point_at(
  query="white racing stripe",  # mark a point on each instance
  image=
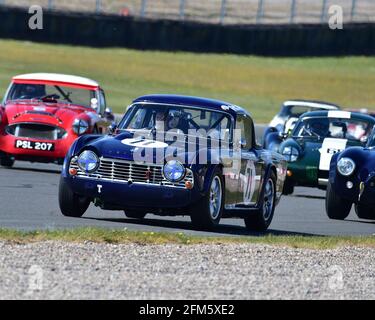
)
(329, 147)
(339, 114)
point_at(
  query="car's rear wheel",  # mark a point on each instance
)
(135, 214)
(260, 220)
(6, 161)
(206, 213)
(337, 208)
(365, 212)
(71, 204)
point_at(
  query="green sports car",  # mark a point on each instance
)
(316, 137)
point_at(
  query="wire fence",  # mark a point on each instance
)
(217, 11)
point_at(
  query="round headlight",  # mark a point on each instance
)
(88, 161)
(174, 171)
(290, 153)
(80, 126)
(346, 166)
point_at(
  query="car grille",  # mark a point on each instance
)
(130, 172)
(36, 131)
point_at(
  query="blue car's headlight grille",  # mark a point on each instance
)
(130, 172)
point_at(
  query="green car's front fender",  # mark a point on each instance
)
(304, 171)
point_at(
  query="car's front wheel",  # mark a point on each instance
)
(337, 208)
(260, 220)
(288, 188)
(6, 162)
(206, 213)
(71, 204)
(365, 212)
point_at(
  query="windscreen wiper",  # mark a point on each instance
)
(65, 95)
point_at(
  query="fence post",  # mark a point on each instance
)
(260, 11)
(143, 8)
(353, 11)
(182, 9)
(324, 9)
(292, 11)
(98, 7)
(223, 10)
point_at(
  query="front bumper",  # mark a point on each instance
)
(135, 195)
(306, 176)
(361, 192)
(367, 191)
(8, 147)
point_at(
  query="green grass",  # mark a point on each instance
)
(256, 83)
(100, 235)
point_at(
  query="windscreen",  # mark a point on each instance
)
(52, 93)
(183, 119)
(324, 127)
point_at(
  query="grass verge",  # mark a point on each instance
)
(259, 84)
(100, 235)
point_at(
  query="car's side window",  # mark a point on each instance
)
(245, 124)
(138, 120)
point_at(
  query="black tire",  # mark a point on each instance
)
(365, 212)
(202, 217)
(135, 214)
(6, 162)
(288, 188)
(260, 220)
(337, 208)
(71, 204)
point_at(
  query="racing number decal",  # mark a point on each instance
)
(144, 143)
(249, 183)
(329, 147)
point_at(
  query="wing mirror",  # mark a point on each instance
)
(108, 113)
(285, 135)
(112, 129)
(242, 143)
(364, 139)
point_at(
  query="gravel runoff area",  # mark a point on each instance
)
(60, 270)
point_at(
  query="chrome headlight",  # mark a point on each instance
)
(290, 153)
(88, 161)
(346, 166)
(174, 171)
(80, 126)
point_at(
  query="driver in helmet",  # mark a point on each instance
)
(176, 121)
(319, 127)
(31, 91)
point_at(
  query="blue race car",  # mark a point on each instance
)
(176, 155)
(352, 181)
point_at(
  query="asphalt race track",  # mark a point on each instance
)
(28, 198)
(29, 201)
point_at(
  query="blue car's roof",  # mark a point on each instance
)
(191, 101)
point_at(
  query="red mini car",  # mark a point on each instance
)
(42, 114)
